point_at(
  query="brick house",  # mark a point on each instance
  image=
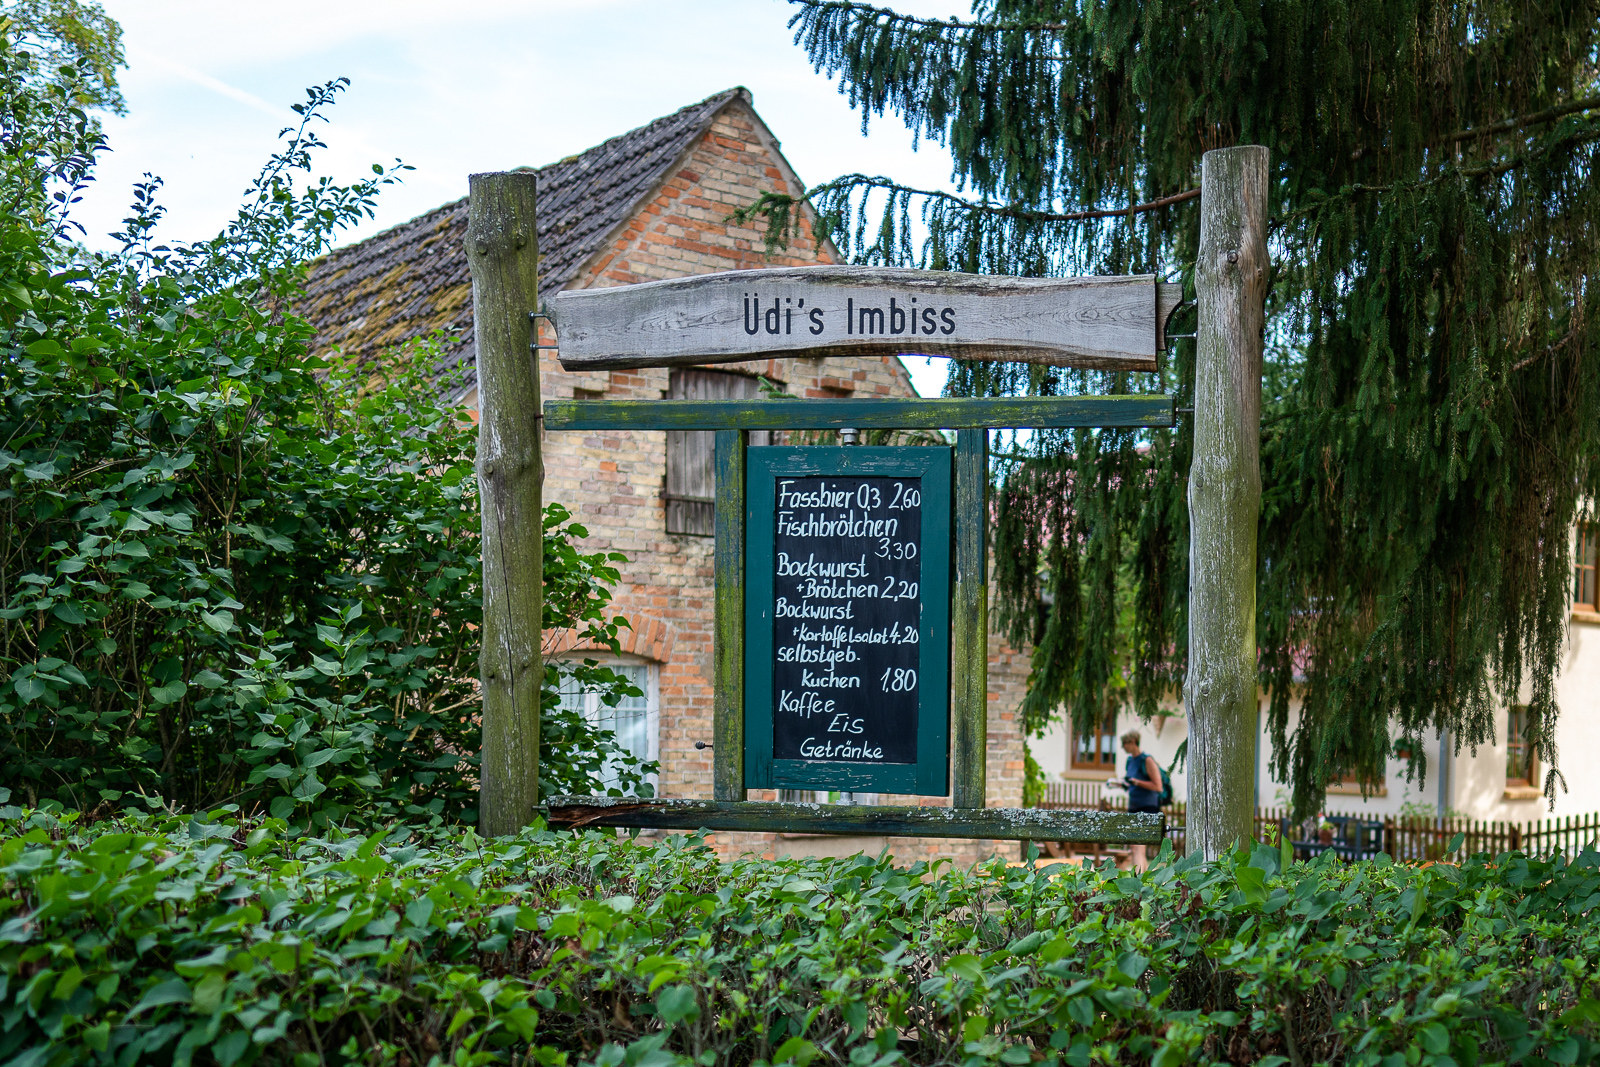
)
(652, 203)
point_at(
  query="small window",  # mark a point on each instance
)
(634, 720)
(1349, 784)
(1095, 751)
(1522, 760)
(691, 486)
(1585, 594)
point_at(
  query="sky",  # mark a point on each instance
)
(456, 88)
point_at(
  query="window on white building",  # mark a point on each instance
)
(1585, 590)
(1522, 759)
(1096, 750)
(636, 721)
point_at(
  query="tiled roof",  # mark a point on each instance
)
(413, 279)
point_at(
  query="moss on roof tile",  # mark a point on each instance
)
(411, 280)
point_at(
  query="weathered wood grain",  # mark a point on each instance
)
(1108, 323)
(1225, 497)
(1022, 412)
(503, 255)
(1008, 824)
(727, 752)
(969, 623)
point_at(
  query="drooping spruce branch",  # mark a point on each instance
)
(846, 197)
(1437, 222)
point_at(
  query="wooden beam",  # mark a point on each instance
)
(1225, 497)
(1022, 412)
(1010, 824)
(969, 623)
(503, 254)
(727, 727)
(1107, 323)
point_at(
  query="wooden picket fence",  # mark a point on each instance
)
(1411, 840)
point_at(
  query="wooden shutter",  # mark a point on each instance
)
(691, 484)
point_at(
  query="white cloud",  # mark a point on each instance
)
(456, 88)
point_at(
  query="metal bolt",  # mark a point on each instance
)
(701, 745)
(1233, 256)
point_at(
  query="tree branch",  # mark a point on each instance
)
(869, 13)
(1011, 211)
(1549, 114)
(1528, 361)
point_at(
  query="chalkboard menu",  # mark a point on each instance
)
(847, 619)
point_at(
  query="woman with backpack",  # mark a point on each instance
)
(1142, 777)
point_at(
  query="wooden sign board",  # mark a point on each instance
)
(1116, 323)
(847, 619)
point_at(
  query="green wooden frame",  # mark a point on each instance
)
(893, 413)
(968, 624)
(928, 776)
(1015, 824)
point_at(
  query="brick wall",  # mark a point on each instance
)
(612, 482)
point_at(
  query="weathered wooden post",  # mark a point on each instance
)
(502, 248)
(1225, 497)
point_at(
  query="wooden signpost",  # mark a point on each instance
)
(851, 583)
(1111, 323)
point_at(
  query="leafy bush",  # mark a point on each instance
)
(156, 940)
(230, 572)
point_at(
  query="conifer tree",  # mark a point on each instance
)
(1431, 414)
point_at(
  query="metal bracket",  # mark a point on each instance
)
(534, 317)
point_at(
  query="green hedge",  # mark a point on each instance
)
(209, 940)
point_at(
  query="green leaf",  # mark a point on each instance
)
(1133, 965)
(170, 693)
(965, 966)
(675, 1003)
(172, 991)
(69, 613)
(419, 911)
(219, 621)
(1434, 1038)
(1585, 1010)
(1252, 882)
(796, 1050)
(36, 1056)
(1169, 1055)
(230, 1047)
(1026, 946)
